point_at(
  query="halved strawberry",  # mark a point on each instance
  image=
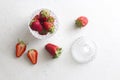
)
(49, 27)
(81, 21)
(54, 50)
(35, 25)
(32, 55)
(20, 48)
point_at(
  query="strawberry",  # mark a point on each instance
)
(36, 17)
(32, 55)
(43, 19)
(35, 25)
(20, 48)
(44, 32)
(49, 27)
(54, 50)
(81, 21)
(50, 19)
(44, 14)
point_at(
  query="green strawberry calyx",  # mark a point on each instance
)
(31, 22)
(21, 41)
(58, 53)
(50, 19)
(51, 30)
(45, 13)
(78, 23)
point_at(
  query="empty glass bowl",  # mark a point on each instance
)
(83, 50)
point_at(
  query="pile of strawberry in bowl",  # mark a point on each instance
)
(43, 24)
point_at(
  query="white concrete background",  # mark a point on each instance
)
(103, 28)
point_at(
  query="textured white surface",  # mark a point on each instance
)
(103, 28)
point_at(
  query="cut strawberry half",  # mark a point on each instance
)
(32, 55)
(20, 48)
(54, 50)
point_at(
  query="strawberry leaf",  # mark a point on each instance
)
(58, 53)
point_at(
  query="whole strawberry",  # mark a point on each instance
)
(81, 21)
(35, 25)
(44, 14)
(36, 17)
(49, 27)
(54, 50)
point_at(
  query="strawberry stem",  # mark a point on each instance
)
(52, 29)
(21, 41)
(78, 23)
(58, 53)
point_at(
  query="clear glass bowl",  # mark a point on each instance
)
(35, 33)
(83, 50)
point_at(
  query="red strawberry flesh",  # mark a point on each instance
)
(20, 48)
(33, 55)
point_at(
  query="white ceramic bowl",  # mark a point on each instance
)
(35, 33)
